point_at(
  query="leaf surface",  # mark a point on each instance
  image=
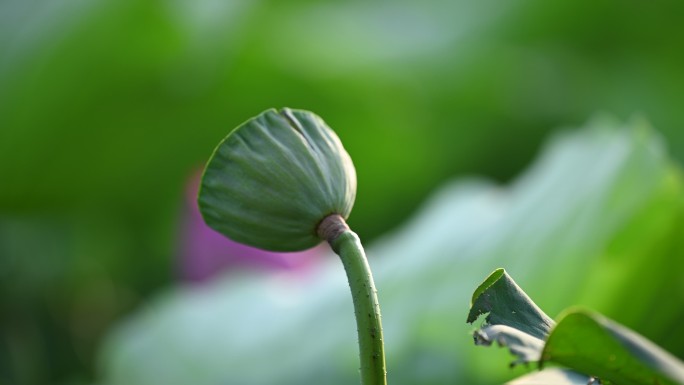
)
(591, 343)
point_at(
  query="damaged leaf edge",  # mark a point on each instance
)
(486, 284)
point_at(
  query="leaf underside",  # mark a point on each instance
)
(554, 376)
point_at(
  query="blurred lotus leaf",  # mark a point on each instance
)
(602, 199)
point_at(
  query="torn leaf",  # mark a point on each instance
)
(507, 304)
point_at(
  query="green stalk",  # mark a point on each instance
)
(364, 295)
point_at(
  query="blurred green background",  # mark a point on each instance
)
(107, 109)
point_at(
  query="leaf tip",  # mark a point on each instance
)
(489, 281)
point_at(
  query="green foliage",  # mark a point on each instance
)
(97, 96)
(591, 343)
(108, 107)
(605, 199)
(582, 341)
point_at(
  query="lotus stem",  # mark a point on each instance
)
(347, 246)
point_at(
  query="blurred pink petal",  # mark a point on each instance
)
(206, 253)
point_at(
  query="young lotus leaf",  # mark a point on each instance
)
(274, 178)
